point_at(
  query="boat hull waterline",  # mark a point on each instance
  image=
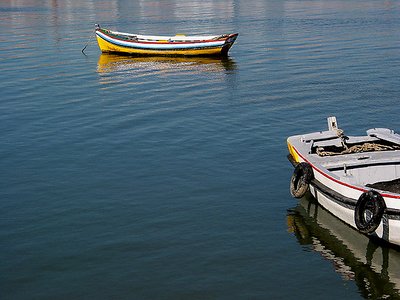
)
(180, 45)
(362, 188)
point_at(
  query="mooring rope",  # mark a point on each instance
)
(89, 40)
(366, 147)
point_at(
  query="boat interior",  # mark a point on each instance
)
(382, 175)
(392, 186)
(159, 38)
(372, 160)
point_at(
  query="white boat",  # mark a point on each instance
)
(356, 178)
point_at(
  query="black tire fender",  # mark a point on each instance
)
(369, 211)
(300, 180)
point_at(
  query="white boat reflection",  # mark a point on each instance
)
(375, 268)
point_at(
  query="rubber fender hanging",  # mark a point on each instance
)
(301, 178)
(369, 211)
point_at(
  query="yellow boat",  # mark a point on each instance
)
(179, 45)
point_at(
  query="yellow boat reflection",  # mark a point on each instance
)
(109, 63)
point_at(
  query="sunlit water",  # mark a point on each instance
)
(167, 178)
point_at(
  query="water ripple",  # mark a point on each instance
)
(120, 171)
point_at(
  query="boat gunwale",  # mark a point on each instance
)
(117, 36)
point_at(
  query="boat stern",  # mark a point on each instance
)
(228, 43)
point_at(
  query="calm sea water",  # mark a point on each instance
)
(128, 178)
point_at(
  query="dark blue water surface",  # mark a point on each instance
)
(150, 178)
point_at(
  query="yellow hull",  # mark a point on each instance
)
(106, 46)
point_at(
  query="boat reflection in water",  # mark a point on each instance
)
(109, 63)
(375, 268)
